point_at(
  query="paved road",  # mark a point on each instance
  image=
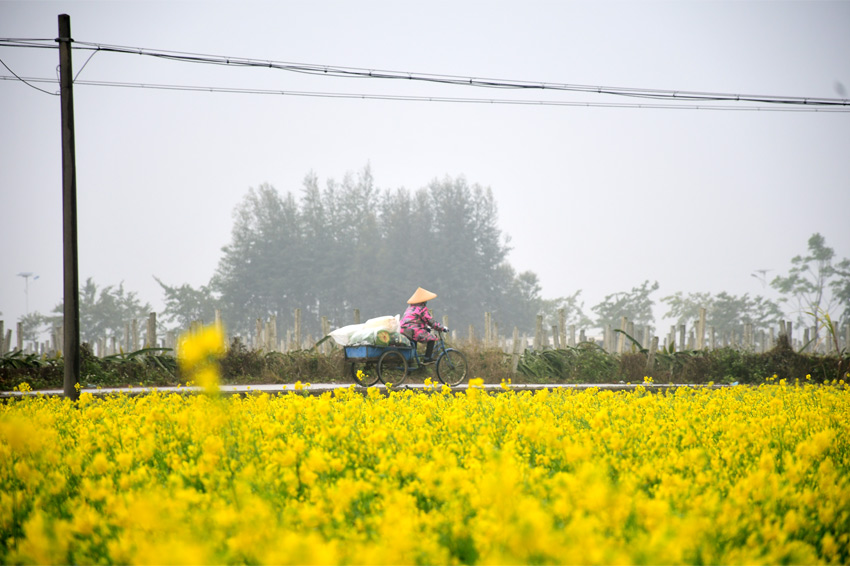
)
(320, 388)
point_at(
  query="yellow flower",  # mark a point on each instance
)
(198, 354)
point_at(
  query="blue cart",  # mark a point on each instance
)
(391, 364)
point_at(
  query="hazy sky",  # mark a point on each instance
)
(593, 198)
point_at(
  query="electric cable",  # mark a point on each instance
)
(26, 83)
(411, 98)
(364, 73)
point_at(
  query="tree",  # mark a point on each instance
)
(814, 284)
(573, 311)
(841, 290)
(32, 326)
(351, 245)
(185, 304)
(726, 313)
(103, 314)
(260, 271)
(635, 305)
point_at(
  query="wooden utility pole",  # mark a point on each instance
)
(69, 212)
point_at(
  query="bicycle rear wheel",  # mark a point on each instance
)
(392, 368)
(452, 367)
(364, 373)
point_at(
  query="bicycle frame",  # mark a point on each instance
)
(434, 356)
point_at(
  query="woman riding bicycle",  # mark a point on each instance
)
(416, 323)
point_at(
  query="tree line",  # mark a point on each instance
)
(352, 245)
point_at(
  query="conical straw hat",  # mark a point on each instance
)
(421, 296)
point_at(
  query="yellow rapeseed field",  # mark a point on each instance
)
(738, 475)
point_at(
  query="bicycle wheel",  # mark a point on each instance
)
(392, 368)
(452, 367)
(364, 373)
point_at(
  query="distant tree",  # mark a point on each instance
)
(815, 285)
(104, 311)
(465, 249)
(261, 271)
(636, 305)
(841, 290)
(185, 304)
(725, 312)
(32, 326)
(350, 245)
(573, 311)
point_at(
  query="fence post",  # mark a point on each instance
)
(538, 333)
(515, 351)
(326, 329)
(650, 359)
(487, 337)
(701, 330)
(356, 316)
(562, 327)
(682, 344)
(298, 345)
(556, 342)
(471, 335)
(572, 338)
(150, 337)
(621, 338)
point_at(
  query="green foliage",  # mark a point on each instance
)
(814, 283)
(184, 304)
(573, 311)
(584, 363)
(636, 305)
(32, 326)
(726, 313)
(104, 311)
(351, 245)
(16, 359)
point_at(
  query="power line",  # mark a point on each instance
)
(409, 98)
(363, 73)
(27, 83)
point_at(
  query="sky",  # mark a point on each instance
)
(597, 197)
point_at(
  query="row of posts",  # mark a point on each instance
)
(700, 337)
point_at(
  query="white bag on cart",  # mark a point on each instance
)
(389, 323)
(342, 336)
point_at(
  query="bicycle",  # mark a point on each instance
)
(392, 364)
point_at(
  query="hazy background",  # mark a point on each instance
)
(593, 198)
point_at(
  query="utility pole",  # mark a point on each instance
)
(26, 275)
(69, 212)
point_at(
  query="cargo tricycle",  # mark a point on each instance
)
(392, 364)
